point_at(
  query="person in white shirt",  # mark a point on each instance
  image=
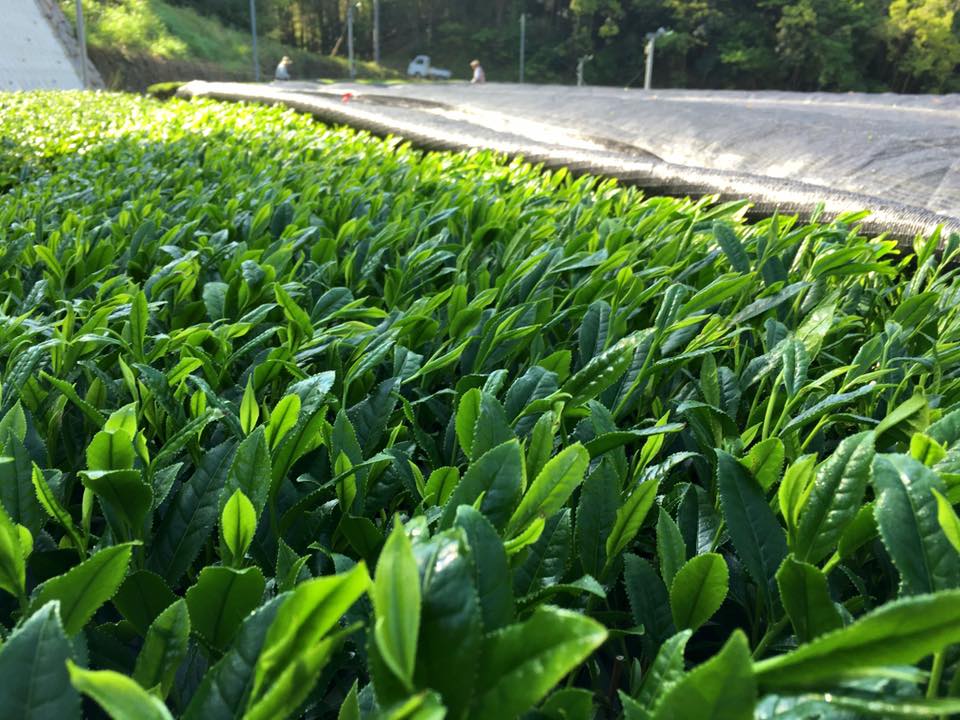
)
(283, 69)
(479, 77)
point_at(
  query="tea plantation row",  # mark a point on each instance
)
(300, 423)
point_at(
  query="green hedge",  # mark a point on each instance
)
(298, 422)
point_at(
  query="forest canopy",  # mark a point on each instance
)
(872, 45)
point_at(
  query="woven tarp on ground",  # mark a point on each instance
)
(894, 155)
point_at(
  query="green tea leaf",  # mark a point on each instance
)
(665, 672)
(440, 485)
(223, 693)
(602, 371)
(732, 247)
(119, 696)
(497, 476)
(139, 316)
(126, 498)
(754, 530)
(765, 462)
(396, 602)
(546, 561)
(164, 648)
(55, 510)
(906, 514)
(649, 601)
(723, 288)
(282, 419)
(249, 409)
(796, 363)
(449, 608)
(723, 688)
(33, 663)
(794, 490)
(220, 599)
(835, 497)
(568, 704)
(303, 621)
(238, 523)
(630, 517)
(16, 486)
(12, 566)
(947, 517)
(468, 411)
(490, 568)
(806, 598)
(551, 488)
(898, 633)
(295, 315)
(521, 663)
(925, 449)
(596, 515)
(350, 708)
(250, 472)
(191, 515)
(141, 598)
(698, 590)
(14, 423)
(670, 547)
(85, 587)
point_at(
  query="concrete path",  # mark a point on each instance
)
(32, 54)
(902, 149)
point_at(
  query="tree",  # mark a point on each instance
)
(923, 42)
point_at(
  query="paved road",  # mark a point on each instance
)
(904, 149)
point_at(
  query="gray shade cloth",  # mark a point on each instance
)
(893, 155)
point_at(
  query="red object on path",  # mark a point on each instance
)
(347, 97)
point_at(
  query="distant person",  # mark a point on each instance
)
(479, 77)
(283, 69)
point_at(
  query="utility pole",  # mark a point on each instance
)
(523, 41)
(353, 70)
(82, 42)
(651, 41)
(253, 32)
(580, 63)
(376, 31)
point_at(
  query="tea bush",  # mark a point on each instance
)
(300, 423)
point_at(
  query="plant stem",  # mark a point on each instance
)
(772, 633)
(771, 403)
(936, 672)
(831, 563)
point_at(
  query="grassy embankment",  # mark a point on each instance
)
(135, 44)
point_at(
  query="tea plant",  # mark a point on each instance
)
(300, 423)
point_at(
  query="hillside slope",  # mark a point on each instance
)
(136, 43)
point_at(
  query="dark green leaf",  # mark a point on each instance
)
(901, 632)
(85, 587)
(723, 688)
(33, 664)
(698, 590)
(754, 530)
(835, 497)
(221, 598)
(521, 663)
(906, 514)
(806, 598)
(164, 648)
